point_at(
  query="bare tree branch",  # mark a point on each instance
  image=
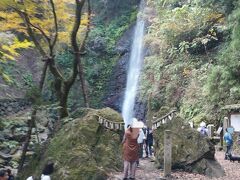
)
(48, 40)
(55, 24)
(30, 31)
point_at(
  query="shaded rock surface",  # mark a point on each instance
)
(82, 149)
(13, 130)
(190, 151)
(117, 82)
(25, 71)
(11, 106)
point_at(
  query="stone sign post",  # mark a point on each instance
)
(210, 130)
(167, 153)
(226, 124)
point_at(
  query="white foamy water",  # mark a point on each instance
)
(134, 70)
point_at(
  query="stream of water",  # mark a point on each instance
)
(134, 69)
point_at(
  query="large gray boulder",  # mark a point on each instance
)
(82, 148)
(190, 151)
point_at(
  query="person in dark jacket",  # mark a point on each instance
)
(149, 142)
(10, 176)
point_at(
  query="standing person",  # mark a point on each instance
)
(146, 141)
(47, 171)
(3, 175)
(202, 129)
(10, 176)
(229, 141)
(149, 142)
(140, 140)
(130, 152)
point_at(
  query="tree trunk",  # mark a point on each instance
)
(43, 76)
(61, 85)
(77, 49)
(80, 66)
(83, 85)
(31, 123)
(63, 104)
(66, 86)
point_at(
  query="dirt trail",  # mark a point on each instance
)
(147, 171)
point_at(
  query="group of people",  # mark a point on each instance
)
(47, 171)
(135, 141)
(6, 175)
(227, 138)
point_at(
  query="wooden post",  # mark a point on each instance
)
(167, 153)
(221, 140)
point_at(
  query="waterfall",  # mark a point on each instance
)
(134, 69)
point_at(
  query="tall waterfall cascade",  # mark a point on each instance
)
(135, 64)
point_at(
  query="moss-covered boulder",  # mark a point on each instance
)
(190, 150)
(82, 149)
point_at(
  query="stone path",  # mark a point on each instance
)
(147, 171)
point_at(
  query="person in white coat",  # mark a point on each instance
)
(140, 140)
(30, 178)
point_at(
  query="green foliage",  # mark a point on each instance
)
(99, 64)
(34, 95)
(181, 23)
(226, 6)
(199, 85)
(223, 83)
(65, 60)
(9, 50)
(89, 147)
(113, 30)
(11, 144)
(183, 46)
(1, 125)
(28, 80)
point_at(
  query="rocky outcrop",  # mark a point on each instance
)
(117, 82)
(82, 149)
(13, 130)
(11, 106)
(12, 134)
(25, 72)
(190, 151)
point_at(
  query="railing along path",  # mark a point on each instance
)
(120, 125)
(110, 124)
(163, 120)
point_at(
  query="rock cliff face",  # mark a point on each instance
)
(11, 106)
(190, 151)
(117, 82)
(82, 149)
(109, 9)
